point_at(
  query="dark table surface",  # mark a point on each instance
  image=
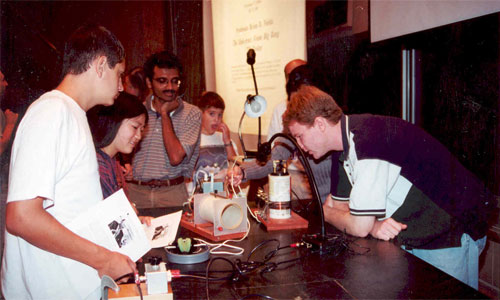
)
(368, 269)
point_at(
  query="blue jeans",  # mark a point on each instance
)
(460, 262)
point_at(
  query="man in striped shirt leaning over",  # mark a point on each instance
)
(392, 180)
(171, 139)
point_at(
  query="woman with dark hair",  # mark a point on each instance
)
(116, 129)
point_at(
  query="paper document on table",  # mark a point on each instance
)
(163, 229)
(112, 224)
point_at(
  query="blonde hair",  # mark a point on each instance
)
(308, 103)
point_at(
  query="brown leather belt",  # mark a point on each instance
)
(158, 182)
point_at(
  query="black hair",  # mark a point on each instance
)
(162, 60)
(210, 99)
(137, 79)
(303, 74)
(86, 44)
(104, 121)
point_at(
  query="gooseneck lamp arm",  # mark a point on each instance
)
(248, 154)
(265, 150)
(249, 100)
(256, 93)
(251, 62)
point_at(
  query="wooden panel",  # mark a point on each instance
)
(130, 292)
(294, 222)
(206, 230)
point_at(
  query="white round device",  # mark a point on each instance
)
(255, 106)
(198, 255)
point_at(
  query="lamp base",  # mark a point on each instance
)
(333, 245)
(294, 222)
(315, 242)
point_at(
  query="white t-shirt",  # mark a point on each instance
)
(53, 156)
(276, 123)
(276, 126)
(213, 155)
(212, 158)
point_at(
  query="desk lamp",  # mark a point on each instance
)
(255, 106)
(264, 150)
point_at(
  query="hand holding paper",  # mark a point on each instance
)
(163, 229)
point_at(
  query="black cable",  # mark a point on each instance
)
(303, 208)
(208, 269)
(129, 275)
(246, 267)
(191, 276)
(262, 244)
(140, 291)
(137, 281)
(335, 244)
(352, 251)
(257, 295)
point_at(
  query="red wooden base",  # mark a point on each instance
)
(206, 230)
(294, 222)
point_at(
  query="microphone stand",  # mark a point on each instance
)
(317, 242)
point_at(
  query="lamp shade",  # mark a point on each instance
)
(255, 106)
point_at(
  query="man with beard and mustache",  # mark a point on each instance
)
(170, 144)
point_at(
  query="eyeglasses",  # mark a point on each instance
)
(174, 81)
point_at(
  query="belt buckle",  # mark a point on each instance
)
(155, 183)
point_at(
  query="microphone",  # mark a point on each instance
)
(251, 56)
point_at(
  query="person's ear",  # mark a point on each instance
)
(148, 83)
(101, 63)
(319, 122)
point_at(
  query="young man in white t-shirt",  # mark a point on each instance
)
(54, 177)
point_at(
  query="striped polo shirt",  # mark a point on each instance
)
(391, 168)
(151, 160)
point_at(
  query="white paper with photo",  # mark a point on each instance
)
(163, 229)
(112, 224)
